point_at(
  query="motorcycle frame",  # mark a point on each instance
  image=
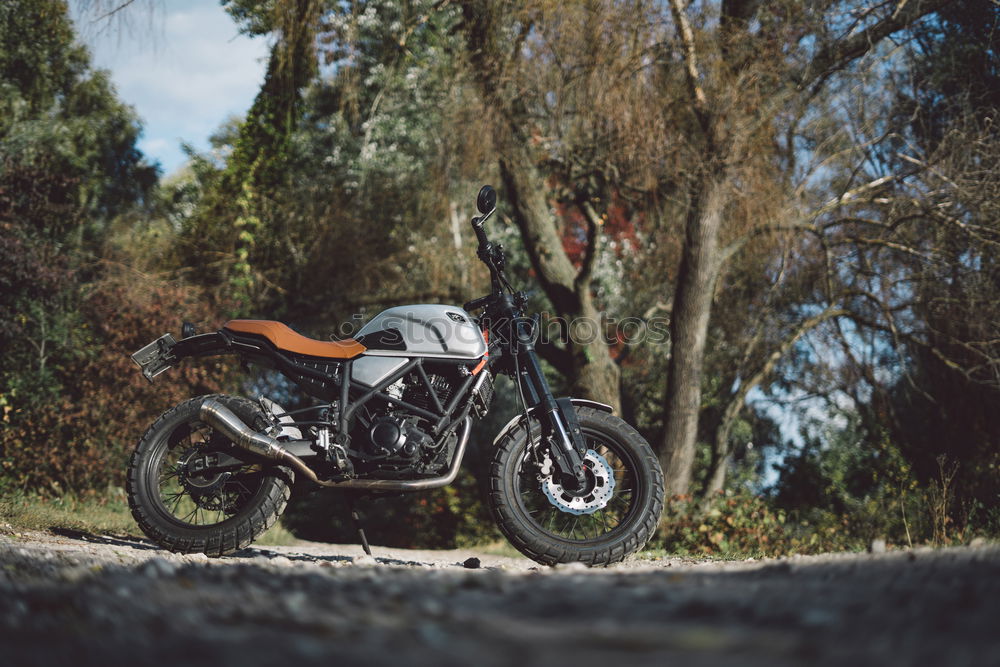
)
(256, 349)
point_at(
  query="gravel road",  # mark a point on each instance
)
(93, 600)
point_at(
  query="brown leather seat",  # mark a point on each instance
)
(285, 339)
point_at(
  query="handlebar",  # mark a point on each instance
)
(476, 304)
(477, 226)
(492, 255)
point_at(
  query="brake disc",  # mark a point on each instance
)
(596, 494)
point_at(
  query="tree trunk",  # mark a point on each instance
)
(721, 450)
(588, 367)
(590, 371)
(689, 320)
(595, 375)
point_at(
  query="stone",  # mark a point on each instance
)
(472, 563)
(575, 566)
(877, 546)
(158, 567)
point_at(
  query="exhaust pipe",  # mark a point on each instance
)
(225, 420)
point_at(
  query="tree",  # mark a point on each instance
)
(361, 183)
(749, 45)
(554, 124)
(693, 113)
(911, 247)
(68, 166)
(67, 144)
(933, 230)
(258, 164)
(70, 310)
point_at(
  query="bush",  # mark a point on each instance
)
(847, 495)
(74, 428)
(732, 524)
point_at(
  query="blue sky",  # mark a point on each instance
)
(181, 64)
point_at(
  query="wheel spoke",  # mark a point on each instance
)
(540, 510)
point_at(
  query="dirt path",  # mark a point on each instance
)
(77, 599)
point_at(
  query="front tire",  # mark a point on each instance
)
(214, 514)
(591, 530)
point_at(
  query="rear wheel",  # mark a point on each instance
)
(185, 509)
(609, 518)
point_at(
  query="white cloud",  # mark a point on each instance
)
(185, 80)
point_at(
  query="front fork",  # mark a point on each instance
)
(560, 426)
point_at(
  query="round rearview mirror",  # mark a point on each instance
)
(487, 200)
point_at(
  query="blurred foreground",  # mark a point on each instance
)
(95, 600)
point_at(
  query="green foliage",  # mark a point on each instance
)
(353, 189)
(732, 524)
(71, 402)
(836, 496)
(68, 161)
(72, 429)
(235, 218)
(853, 491)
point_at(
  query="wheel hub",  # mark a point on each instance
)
(594, 495)
(203, 488)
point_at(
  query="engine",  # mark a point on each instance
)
(394, 441)
(395, 437)
(417, 394)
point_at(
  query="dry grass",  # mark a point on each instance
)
(97, 514)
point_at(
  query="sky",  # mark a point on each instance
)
(181, 64)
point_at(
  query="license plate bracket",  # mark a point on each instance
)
(155, 358)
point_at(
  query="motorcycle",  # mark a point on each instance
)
(568, 480)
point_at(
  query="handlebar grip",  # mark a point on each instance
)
(477, 226)
(476, 304)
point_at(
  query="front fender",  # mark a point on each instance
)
(577, 402)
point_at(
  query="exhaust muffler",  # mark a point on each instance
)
(218, 416)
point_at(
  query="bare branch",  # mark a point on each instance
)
(693, 75)
(721, 448)
(113, 11)
(839, 54)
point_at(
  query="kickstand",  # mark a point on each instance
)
(357, 524)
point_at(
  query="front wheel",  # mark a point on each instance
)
(613, 516)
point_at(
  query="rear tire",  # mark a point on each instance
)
(167, 502)
(539, 528)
